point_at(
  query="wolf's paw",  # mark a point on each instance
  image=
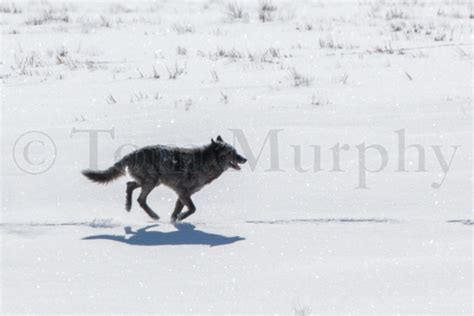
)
(154, 216)
(180, 219)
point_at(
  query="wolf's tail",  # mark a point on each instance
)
(105, 176)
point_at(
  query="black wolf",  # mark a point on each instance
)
(184, 170)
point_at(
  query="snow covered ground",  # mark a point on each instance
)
(306, 239)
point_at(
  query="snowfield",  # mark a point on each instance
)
(333, 214)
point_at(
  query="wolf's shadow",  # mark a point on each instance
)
(186, 234)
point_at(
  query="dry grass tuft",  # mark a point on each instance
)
(48, 16)
(180, 50)
(299, 79)
(176, 71)
(266, 11)
(235, 12)
(395, 14)
(183, 28)
(10, 8)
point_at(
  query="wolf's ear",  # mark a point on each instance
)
(219, 138)
(212, 141)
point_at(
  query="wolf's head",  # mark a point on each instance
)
(227, 156)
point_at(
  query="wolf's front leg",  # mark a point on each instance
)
(186, 200)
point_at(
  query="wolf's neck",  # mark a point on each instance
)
(211, 167)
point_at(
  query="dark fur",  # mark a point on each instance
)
(184, 170)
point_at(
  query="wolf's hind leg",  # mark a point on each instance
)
(131, 186)
(146, 189)
(177, 209)
(186, 200)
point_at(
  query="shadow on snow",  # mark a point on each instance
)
(186, 234)
(462, 221)
(325, 220)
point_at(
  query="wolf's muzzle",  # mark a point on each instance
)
(240, 159)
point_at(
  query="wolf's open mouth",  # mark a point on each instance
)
(234, 165)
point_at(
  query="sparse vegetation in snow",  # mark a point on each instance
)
(299, 79)
(266, 10)
(235, 11)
